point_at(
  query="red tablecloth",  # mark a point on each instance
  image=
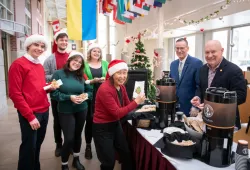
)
(145, 155)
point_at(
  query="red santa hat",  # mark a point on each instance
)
(92, 46)
(62, 31)
(115, 66)
(35, 38)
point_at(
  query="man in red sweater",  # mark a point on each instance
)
(55, 62)
(26, 81)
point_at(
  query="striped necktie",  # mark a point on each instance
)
(180, 69)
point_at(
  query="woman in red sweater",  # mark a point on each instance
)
(26, 82)
(112, 103)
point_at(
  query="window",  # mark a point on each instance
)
(28, 20)
(241, 47)
(222, 36)
(28, 5)
(28, 24)
(8, 4)
(39, 7)
(39, 28)
(21, 45)
(191, 44)
(2, 12)
(9, 16)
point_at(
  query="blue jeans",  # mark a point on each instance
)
(29, 151)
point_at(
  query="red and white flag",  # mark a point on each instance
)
(56, 26)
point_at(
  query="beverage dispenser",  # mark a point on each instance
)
(219, 116)
(165, 100)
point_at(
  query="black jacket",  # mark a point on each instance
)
(228, 76)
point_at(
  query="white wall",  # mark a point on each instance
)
(3, 99)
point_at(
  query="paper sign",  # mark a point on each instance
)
(139, 88)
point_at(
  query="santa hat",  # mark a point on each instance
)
(35, 38)
(75, 53)
(92, 46)
(62, 31)
(115, 66)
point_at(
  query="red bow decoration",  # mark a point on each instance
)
(138, 51)
(139, 36)
(156, 54)
(127, 41)
(202, 29)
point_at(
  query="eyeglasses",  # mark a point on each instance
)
(180, 48)
(78, 62)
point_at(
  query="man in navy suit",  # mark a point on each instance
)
(185, 71)
(218, 72)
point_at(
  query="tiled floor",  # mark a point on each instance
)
(10, 141)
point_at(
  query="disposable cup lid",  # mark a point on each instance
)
(244, 142)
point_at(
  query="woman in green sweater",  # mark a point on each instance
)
(72, 106)
(96, 70)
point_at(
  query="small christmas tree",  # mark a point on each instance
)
(141, 61)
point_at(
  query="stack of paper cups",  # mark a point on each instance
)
(241, 156)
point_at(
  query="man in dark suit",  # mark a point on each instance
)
(185, 71)
(218, 72)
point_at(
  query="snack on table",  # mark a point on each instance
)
(195, 123)
(184, 143)
(147, 108)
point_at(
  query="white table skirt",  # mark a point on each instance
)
(153, 136)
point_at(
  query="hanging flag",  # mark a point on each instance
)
(55, 26)
(150, 2)
(81, 19)
(133, 8)
(161, 1)
(146, 6)
(120, 10)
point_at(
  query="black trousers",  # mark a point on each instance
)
(109, 138)
(29, 151)
(72, 126)
(89, 123)
(56, 123)
(89, 120)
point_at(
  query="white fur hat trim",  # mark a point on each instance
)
(35, 38)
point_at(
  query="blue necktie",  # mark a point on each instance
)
(180, 69)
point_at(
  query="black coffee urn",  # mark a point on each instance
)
(219, 116)
(165, 100)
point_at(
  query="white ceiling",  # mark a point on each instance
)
(57, 9)
(193, 10)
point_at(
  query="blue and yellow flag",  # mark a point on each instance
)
(81, 19)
